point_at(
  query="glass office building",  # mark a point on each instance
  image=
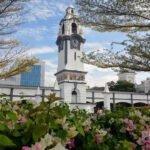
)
(32, 78)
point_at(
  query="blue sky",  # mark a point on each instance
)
(39, 33)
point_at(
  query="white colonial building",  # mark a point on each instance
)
(144, 86)
(127, 76)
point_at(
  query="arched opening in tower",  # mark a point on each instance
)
(72, 11)
(63, 29)
(74, 28)
(74, 97)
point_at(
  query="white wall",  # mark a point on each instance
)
(93, 96)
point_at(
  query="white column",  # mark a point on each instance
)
(106, 98)
(38, 96)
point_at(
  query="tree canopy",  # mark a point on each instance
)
(13, 58)
(121, 85)
(131, 17)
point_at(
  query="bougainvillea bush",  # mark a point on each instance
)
(46, 126)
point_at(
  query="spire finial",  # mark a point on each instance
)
(71, 6)
(69, 12)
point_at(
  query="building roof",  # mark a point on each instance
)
(97, 88)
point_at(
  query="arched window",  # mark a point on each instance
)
(74, 28)
(74, 97)
(63, 29)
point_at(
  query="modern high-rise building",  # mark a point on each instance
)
(33, 78)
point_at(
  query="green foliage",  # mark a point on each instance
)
(116, 15)
(39, 130)
(131, 17)
(48, 125)
(5, 141)
(122, 85)
(13, 60)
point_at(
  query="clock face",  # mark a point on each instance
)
(75, 43)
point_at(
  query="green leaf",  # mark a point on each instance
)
(80, 130)
(1, 116)
(12, 116)
(2, 127)
(39, 131)
(62, 134)
(16, 133)
(126, 144)
(52, 98)
(41, 108)
(57, 112)
(5, 141)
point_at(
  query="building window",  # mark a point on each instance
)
(66, 51)
(63, 29)
(75, 56)
(74, 28)
(74, 97)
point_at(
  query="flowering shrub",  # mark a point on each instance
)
(47, 126)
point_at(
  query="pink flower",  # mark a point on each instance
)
(71, 144)
(37, 146)
(16, 107)
(26, 148)
(87, 129)
(98, 139)
(23, 120)
(148, 131)
(145, 141)
(130, 125)
(147, 147)
(95, 117)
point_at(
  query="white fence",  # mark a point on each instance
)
(93, 97)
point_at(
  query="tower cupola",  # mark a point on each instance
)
(69, 12)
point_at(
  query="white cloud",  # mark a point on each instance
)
(60, 6)
(39, 10)
(91, 68)
(36, 32)
(98, 80)
(50, 77)
(41, 50)
(98, 76)
(87, 30)
(54, 29)
(90, 46)
(48, 63)
(44, 9)
(141, 76)
(51, 69)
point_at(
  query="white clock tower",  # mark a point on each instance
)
(70, 72)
